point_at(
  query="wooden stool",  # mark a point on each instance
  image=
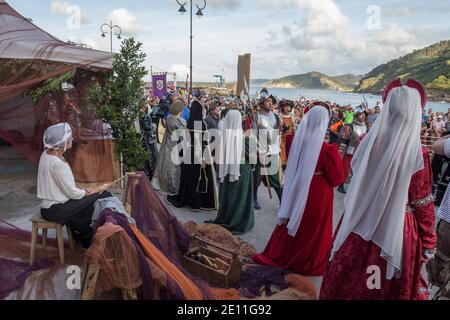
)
(39, 223)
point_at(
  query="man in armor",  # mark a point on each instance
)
(353, 134)
(267, 126)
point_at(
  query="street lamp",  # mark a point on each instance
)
(199, 14)
(111, 29)
(117, 31)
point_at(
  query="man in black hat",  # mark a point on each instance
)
(355, 133)
(267, 126)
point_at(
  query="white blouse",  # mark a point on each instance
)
(56, 183)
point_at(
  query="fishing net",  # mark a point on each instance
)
(113, 251)
(31, 58)
(153, 219)
(302, 284)
(13, 274)
(164, 239)
(256, 281)
(222, 236)
(22, 124)
(36, 281)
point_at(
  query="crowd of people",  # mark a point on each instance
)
(388, 225)
(435, 124)
(346, 128)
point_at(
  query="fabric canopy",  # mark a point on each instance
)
(29, 57)
(21, 39)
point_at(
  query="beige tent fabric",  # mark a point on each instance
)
(21, 39)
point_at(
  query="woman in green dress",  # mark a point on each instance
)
(236, 179)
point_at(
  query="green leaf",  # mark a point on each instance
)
(120, 100)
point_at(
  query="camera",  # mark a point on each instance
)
(159, 110)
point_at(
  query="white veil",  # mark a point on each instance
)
(301, 165)
(57, 136)
(231, 146)
(383, 166)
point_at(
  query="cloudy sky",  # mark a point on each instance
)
(284, 36)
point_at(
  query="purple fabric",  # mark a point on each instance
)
(17, 234)
(152, 217)
(13, 274)
(255, 278)
(160, 226)
(159, 82)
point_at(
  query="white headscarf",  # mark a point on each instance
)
(56, 137)
(301, 166)
(231, 146)
(383, 166)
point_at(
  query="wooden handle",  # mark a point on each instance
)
(208, 261)
(121, 178)
(215, 245)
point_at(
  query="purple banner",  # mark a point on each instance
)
(159, 85)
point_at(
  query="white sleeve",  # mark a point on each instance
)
(66, 182)
(447, 148)
(198, 147)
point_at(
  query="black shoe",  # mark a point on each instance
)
(341, 189)
(256, 205)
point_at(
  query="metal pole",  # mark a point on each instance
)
(111, 34)
(122, 184)
(191, 53)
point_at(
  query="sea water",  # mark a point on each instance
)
(341, 98)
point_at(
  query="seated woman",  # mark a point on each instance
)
(61, 201)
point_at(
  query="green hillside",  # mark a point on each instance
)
(316, 80)
(430, 66)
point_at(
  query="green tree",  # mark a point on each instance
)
(120, 101)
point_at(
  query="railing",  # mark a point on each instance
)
(427, 141)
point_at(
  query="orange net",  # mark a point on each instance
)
(115, 253)
(189, 289)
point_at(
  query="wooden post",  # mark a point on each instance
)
(70, 237)
(33, 243)
(90, 281)
(122, 185)
(60, 238)
(44, 238)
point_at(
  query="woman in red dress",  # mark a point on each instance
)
(302, 238)
(387, 230)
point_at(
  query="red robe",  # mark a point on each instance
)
(346, 275)
(307, 252)
(347, 166)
